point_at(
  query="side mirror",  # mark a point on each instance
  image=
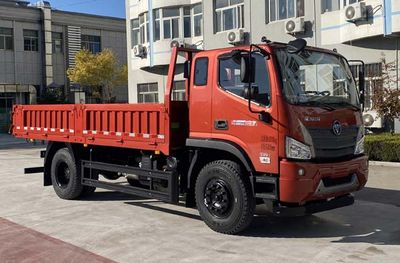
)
(296, 46)
(247, 72)
(186, 69)
(250, 93)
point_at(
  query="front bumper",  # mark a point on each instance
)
(313, 207)
(301, 189)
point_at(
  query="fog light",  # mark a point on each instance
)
(301, 172)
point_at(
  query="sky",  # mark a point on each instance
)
(98, 7)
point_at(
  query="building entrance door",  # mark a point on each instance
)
(6, 104)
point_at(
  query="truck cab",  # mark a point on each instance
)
(294, 116)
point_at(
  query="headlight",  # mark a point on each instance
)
(297, 150)
(359, 147)
(360, 142)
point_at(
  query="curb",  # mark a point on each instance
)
(385, 164)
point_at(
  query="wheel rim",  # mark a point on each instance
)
(218, 198)
(63, 175)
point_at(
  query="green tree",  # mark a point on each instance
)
(100, 72)
(386, 98)
(52, 96)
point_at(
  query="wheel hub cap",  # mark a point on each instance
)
(217, 198)
(63, 175)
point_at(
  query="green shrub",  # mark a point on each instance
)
(383, 147)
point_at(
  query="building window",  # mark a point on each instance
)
(284, 9)
(187, 22)
(329, 5)
(198, 20)
(142, 27)
(157, 25)
(201, 72)
(373, 81)
(333, 5)
(146, 16)
(31, 40)
(179, 91)
(135, 34)
(6, 39)
(91, 43)
(168, 24)
(230, 80)
(193, 20)
(349, 2)
(57, 42)
(148, 93)
(171, 21)
(229, 14)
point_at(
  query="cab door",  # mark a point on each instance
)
(200, 98)
(232, 119)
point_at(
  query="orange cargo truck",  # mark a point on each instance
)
(273, 123)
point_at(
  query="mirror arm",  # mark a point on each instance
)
(263, 51)
(263, 115)
(249, 82)
(250, 108)
(361, 81)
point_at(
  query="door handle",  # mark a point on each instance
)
(221, 124)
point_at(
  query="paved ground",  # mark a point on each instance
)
(128, 229)
(19, 244)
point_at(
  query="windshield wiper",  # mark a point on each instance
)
(318, 104)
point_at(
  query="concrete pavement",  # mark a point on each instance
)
(19, 244)
(8, 142)
(130, 229)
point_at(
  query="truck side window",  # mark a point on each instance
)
(229, 78)
(201, 72)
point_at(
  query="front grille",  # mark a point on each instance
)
(328, 145)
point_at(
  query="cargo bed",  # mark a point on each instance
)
(137, 126)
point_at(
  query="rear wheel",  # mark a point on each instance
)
(224, 197)
(65, 176)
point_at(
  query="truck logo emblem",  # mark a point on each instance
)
(337, 128)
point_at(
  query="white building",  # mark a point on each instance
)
(358, 29)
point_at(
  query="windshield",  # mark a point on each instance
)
(317, 79)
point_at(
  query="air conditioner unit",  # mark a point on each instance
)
(235, 36)
(372, 120)
(355, 12)
(140, 51)
(295, 25)
(178, 43)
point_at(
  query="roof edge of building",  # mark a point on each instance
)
(66, 12)
(89, 15)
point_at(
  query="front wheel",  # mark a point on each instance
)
(224, 197)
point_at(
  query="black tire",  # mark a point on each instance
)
(224, 197)
(65, 176)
